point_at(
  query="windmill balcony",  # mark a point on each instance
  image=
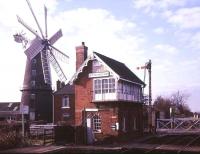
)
(115, 95)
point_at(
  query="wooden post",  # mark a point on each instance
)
(43, 136)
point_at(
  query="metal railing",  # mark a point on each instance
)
(116, 95)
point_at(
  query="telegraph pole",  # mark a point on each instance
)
(150, 120)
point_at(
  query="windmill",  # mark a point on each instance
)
(37, 90)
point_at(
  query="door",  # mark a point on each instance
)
(90, 135)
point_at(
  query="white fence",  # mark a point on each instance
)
(178, 125)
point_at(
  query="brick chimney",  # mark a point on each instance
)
(59, 84)
(81, 54)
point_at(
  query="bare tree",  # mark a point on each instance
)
(179, 98)
(177, 101)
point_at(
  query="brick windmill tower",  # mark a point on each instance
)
(37, 85)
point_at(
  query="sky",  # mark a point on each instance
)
(130, 31)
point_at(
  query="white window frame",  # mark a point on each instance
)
(97, 66)
(104, 85)
(96, 119)
(97, 88)
(111, 85)
(65, 102)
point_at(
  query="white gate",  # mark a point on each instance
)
(178, 125)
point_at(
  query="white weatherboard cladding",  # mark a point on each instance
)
(85, 63)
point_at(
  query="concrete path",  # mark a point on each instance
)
(144, 148)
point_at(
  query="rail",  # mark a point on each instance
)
(178, 125)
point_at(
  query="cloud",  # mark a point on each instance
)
(9, 9)
(195, 41)
(159, 30)
(166, 48)
(150, 6)
(100, 29)
(185, 18)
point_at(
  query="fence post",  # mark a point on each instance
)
(43, 136)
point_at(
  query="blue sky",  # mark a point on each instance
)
(131, 31)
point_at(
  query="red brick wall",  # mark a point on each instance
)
(83, 94)
(81, 55)
(109, 118)
(58, 110)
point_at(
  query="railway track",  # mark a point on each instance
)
(173, 143)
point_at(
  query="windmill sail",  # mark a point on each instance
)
(59, 54)
(35, 47)
(45, 67)
(57, 67)
(37, 90)
(45, 20)
(27, 27)
(29, 4)
(55, 37)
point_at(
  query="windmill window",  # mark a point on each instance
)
(65, 102)
(34, 61)
(33, 96)
(96, 123)
(34, 72)
(33, 83)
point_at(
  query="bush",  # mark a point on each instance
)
(9, 135)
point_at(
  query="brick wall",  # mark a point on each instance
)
(83, 94)
(131, 111)
(81, 54)
(58, 110)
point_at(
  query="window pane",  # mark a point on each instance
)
(97, 86)
(65, 101)
(96, 123)
(105, 85)
(111, 85)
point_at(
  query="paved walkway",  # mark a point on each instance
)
(146, 148)
(35, 149)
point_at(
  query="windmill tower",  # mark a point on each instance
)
(37, 90)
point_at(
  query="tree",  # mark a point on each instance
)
(163, 105)
(177, 101)
(179, 98)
